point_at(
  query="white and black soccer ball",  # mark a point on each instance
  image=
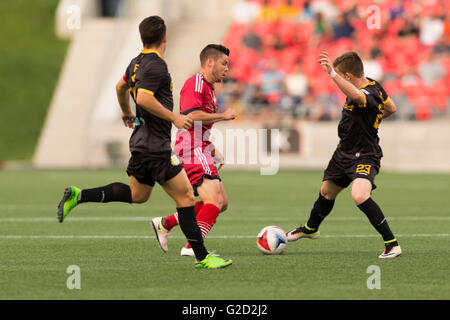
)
(271, 240)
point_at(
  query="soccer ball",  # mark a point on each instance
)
(271, 240)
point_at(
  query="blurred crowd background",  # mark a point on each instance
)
(404, 44)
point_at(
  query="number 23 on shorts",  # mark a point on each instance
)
(363, 168)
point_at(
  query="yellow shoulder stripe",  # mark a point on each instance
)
(146, 91)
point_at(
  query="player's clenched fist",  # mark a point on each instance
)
(129, 119)
(183, 122)
(229, 114)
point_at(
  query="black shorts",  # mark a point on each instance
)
(343, 171)
(148, 169)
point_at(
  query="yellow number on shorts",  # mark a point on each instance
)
(363, 168)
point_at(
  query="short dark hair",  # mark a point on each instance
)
(213, 51)
(152, 30)
(349, 62)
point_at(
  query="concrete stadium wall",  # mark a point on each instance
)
(407, 146)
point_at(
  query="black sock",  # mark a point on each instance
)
(378, 221)
(116, 191)
(321, 208)
(190, 228)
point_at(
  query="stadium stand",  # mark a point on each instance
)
(409, 52)
(276, 82)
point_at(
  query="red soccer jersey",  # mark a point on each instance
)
(196, 94)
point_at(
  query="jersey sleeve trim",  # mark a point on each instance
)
(146, 91)
(124, 78)
(363, 105)
(191, 110)
(387, 100)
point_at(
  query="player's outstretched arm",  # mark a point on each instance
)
(208, 118)
(345, 86)
(150, 104)
(123, 96)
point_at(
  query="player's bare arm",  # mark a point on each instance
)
(389, 108)
(123, 94)
(150, 104)
(208, 118)
(345, 86)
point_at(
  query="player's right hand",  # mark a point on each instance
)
(229, 114)
(129, 119)
(183, 122)
(325, 62)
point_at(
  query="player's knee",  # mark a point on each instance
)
(187, 199)
(359, 197)
(224, 205)
(327, 194)
(140, 198)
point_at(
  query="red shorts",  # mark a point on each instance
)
(199, 165)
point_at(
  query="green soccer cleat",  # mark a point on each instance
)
(68, 202)
(212, 262)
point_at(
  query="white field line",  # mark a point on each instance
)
(417, 235)
(224, 218)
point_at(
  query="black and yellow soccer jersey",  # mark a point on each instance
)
(148, 73)
(358, 128)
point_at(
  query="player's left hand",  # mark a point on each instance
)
(129, 119)
(325, 62)
(218, 159)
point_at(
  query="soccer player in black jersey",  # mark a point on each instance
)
(357, 157)
(149, 83)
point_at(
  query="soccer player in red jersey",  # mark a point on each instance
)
(198, 155)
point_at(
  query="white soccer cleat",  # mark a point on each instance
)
(189, 252)
(161, 233)
(391, 252)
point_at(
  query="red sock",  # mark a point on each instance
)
(172, 220)
(198, 206)
(206, 218)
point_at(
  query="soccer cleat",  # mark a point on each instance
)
(161, 233)
(68, 202)
(302, 232)
(391, 252)
(190, 252)
(212, 262)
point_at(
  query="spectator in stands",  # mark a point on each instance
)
(321, 27)
(396, 10)
(297, 85)
(245, 11)
(251, 39)
(268, 12)
(306, 14)
(431, 30)
(258, 100)
(411, 22)
(278, 43)
(272, 82)
(287, 10)
(442, 48)
(431, 70)
(372, 67)
(326, 8)
(342, 27)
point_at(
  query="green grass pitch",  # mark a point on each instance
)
(118, 257)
